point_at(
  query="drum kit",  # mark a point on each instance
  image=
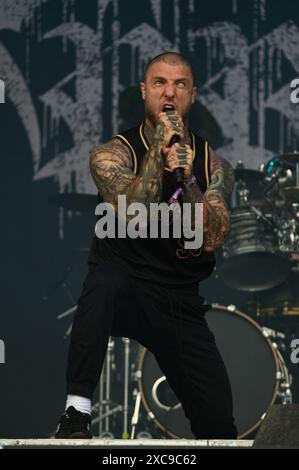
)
(263, 245)
(260, 258)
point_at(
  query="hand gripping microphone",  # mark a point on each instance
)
(178, 172)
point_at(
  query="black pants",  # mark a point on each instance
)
(169, 323)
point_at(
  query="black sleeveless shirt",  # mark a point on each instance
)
(159, 260)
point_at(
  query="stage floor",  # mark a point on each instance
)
(125, 443)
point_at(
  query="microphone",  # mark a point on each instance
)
(178, 172)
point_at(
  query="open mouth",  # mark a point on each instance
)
(168, 107)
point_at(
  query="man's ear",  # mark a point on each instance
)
(142, 89)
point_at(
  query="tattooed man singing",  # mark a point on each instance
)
(147, 288)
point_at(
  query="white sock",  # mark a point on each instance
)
(80, 403)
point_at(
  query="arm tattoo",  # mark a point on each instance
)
(222, 175)
(216, 214)
(110, 166)
(111, 169)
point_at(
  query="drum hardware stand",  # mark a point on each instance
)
(106, 407)
(126, 341)
(135, 417)
(242, 192)
(65, 314)
(62, 283)
(261, 216)
(104, 394)
(104, 416)
(289, 238)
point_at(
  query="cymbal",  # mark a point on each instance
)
(75, 201)
(292, 157)
(291, 193)
(248, 174)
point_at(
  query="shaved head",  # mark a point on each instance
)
(170, 58)
(168, 81)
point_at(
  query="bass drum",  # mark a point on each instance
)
(254, 364)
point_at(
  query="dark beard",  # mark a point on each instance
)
(151, 117)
